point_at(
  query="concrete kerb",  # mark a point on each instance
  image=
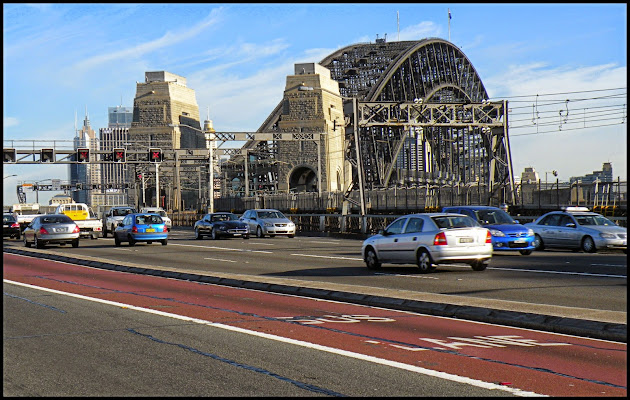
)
(571, 326)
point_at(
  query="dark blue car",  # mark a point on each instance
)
(507, 234)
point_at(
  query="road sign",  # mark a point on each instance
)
(56, 184)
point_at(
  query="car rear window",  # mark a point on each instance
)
(148, 219)
(58, 219)
(449, 222)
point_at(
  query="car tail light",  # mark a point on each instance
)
(488, 237)
(134, 229)
(43, 231)
(165, 229)
(76, 229)
(15, 225)
(440, 239)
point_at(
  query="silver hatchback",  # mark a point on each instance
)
(428, 240)
(577, 228)
(51, 228)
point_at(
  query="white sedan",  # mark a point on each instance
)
(428, 240)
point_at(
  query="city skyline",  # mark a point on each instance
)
(236, 57)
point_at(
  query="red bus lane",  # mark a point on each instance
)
(531, 361)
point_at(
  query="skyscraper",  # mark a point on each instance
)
(85, 174)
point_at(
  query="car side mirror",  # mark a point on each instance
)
(254, 218)
(516, 221)
(121, 224)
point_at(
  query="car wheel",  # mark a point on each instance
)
(371, 260)
(538, 243)
(214, 234)
(291, 236)
(75, 243)
(259, 232)
(478, 265)
(245, 236)
(164, 242)
(38, 243)
(105, 231)
(424, 262)
(525, 252)
(588, 245)
(26, 242)
(132, 241)
(17, 236)
(198, 235)
(116, 240)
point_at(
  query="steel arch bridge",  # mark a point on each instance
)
(461, 140)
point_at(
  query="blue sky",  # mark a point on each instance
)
(61, 59)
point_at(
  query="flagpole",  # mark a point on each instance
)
(449, 24)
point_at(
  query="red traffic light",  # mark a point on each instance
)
(155, 155)
(119, 155)
(83, 155)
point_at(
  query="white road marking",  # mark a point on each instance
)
(334, 258)
(376, 360)
(561, 272)
(218, 259)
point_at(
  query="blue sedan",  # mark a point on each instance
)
(507, 234)
(141, 227)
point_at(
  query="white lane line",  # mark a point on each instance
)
(376, 360)
(218, 259)
(330, 257)
(561, 272)
(609, 265)
(225, 248)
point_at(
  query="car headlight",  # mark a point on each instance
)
(222, 227)
(496, 232)
(268, 224)
(290, 224)
(530, 232)
(607, 235)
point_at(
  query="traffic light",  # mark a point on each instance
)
(139, 176)
(8, 155)
(120, 155)
(83, 155)
(155, 155)
(79, 186)
(47, 156)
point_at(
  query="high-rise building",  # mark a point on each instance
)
(87, 174)
(113, 175)
(119, 117)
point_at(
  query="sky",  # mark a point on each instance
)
(561, 67)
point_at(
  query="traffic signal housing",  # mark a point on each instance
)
(47, 155)
(155, 155)
(119, 155)
(83, 155)
(8, 155)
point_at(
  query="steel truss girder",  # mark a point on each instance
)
(479, 129)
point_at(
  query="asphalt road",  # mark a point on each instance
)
(553, 277)
(90, 331)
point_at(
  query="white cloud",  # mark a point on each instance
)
(10, 121)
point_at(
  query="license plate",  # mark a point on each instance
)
(61, 229)
(150, 230)
(520, 241)
(465, 240)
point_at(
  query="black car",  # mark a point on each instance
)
(10, 226)
(221, 224)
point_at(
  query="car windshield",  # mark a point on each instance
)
(121, 212)
(494, 217)
(593, 220)
(57, 219)
(224, 217)
(270, 214)
(448, 222)
(148, 219)
(8, 218)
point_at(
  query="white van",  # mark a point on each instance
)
(160, 211)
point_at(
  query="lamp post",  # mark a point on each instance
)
(209, 144)
(8, 176)
(554, 172)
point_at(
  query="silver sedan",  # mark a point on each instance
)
(51, 228)
(428, 240)
(577, 228)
